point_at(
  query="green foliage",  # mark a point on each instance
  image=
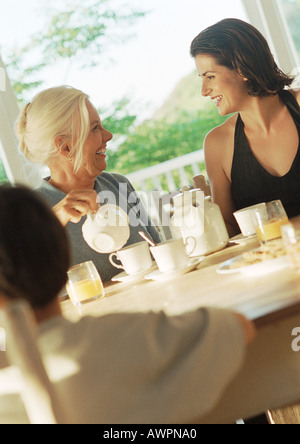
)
(3, 177)
(155, 142)
(83, 30)
(22, 76)
(118, 119)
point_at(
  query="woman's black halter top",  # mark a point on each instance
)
(252, 184)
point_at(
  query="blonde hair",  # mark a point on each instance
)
(55, 112)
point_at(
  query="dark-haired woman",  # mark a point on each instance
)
(254, 156)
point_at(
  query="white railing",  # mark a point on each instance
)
(161, 175)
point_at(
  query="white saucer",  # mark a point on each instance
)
(160, 276)
(124, 277)
(241, 239)
(256, 269)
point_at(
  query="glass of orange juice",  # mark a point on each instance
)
(268, 219)
(84, 283)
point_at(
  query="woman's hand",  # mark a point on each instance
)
(76, 204)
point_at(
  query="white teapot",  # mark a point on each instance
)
(201, 219)
(107, 230)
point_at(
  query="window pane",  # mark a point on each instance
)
(291, 11)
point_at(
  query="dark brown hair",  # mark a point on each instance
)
(239, 46)
(34, 249)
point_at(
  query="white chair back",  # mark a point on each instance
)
(38, 395)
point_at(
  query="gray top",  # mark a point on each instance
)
(108, 186)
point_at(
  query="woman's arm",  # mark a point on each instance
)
(215, 159)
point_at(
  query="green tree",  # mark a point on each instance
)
(155, 142)
(3, 177)
(118, 119)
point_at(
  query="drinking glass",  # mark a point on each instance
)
(84, 283)
(268, 219)
(291, 241)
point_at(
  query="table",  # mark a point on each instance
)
(270, 376)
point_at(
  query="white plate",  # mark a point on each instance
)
(159, 276)
(241, 239)
(257, 269)
(124, 277)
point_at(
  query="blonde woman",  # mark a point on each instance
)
(62, 129)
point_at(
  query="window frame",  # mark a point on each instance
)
(268, 18)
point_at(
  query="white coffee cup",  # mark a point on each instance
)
(170, 255)
(134, 258)
(244, 218)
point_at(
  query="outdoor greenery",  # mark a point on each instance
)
(177, 128)
(3, 177)
(154, 142)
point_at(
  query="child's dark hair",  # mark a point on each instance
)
(34, 249)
